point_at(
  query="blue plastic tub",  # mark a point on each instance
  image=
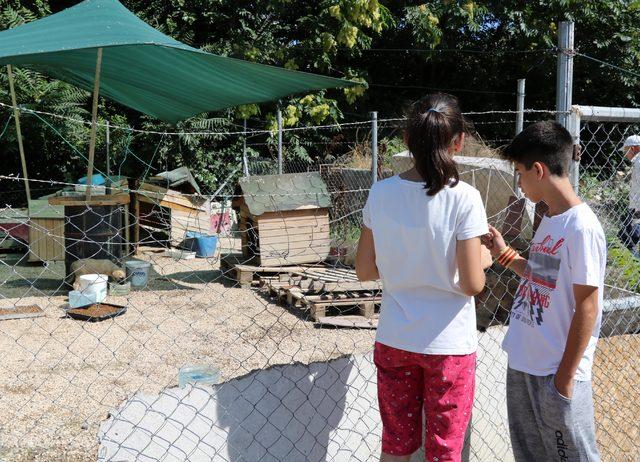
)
(202, 244)
(96, 179)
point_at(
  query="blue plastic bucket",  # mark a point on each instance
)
(202, 244)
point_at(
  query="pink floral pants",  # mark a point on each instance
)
(441, 385)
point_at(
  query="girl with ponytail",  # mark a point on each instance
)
(421, 236)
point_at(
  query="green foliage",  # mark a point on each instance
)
(475, 49)
(623, 264)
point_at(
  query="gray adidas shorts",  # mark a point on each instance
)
(546, 426)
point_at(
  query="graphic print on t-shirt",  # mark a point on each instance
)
(538, 282)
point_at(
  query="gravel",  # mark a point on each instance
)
(60, 377)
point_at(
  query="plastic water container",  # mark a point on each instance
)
(202, 244)
(206, 375)
(137, 273)
(94, 284)
(77, 298)
(118, 290)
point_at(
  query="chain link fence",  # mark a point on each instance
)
(251, 286)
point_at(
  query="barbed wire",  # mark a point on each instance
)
(259, 132)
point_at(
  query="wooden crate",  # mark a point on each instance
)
(285, 238)
(234, 266)
(46, 231)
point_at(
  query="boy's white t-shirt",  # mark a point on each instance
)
(567, 249)
(423, 309)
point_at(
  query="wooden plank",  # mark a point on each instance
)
(290, 246)
(317, 311)
(294, 256)
(163, 203)
(353, 321)
(112, 199)
(291, 259)
(312, 222)
(46, 240)
(127, 241)
(344, 286)
(160, 193)
(273, 238)
(136, 227)
(285, 218)
(292, 214)
(367, 309)
(341, 302)
(40, 208)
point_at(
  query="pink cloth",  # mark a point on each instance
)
(441, 385)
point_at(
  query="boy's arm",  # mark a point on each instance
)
(584, 320)
(495, 243)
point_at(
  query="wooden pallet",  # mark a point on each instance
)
(310, 291)
(232, 266)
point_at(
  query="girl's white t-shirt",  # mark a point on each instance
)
(423, 308)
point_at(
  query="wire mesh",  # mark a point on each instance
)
(273, 307)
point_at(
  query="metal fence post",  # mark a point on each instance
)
(564, 77)
(519, 125)
(374, 147)
(574, 129)
(245, 161)
(279, 141)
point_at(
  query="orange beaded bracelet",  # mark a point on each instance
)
(507, 256)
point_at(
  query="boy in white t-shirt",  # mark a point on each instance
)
(557, 310)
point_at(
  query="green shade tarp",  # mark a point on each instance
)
(143, 68)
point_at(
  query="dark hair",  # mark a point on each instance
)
(432, 124)
(547, 142)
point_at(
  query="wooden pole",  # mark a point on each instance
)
(16, 116)
(94, 122)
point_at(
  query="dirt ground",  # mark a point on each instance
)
(616, 380)
(59, 378)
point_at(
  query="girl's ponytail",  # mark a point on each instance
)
(433, 124)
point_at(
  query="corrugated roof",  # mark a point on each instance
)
(290, 191)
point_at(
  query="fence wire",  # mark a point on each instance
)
(251, 284)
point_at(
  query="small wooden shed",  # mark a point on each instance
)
(284, 219)
(159, 208)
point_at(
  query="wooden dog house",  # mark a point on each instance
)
(284, 219)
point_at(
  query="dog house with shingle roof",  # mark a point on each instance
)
(284, 219)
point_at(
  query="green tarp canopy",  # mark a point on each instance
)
(143, 68)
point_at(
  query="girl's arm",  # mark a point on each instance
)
(471, 262)
(366, 268)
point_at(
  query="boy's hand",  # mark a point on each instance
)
(564, 385)
(493, 241)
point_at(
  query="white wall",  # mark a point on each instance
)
(316, 412)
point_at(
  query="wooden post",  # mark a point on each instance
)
(16, 116)
(136, 224)
(94, 122)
